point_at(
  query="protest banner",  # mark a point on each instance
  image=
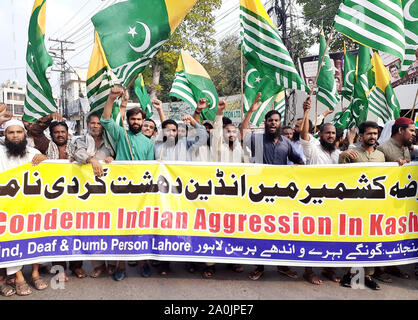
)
(342, 215)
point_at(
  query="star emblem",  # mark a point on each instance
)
(132, 31)
(258, 79)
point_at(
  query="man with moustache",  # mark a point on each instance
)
(14, 153)
(324, 153)
(131, 144)
(366, 152)
(268, 148)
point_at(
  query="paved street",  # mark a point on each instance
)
(226, 285)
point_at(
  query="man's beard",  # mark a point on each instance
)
(330, 147)
(171, 141)
(16, 149)
(135, 131)
(296, 136)
(271, 136)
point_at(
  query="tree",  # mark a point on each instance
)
(194, 34)
(318, 13)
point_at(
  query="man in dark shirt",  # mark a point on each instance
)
(269, 148)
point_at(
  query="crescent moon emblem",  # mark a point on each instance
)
(147, 40)
(347, 78)
(247, 76)
(210, 94)
(407, 12)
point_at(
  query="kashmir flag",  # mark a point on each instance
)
(382, 100)
(327, 88)
(99, 79)
(39, 101)
(378, 24)
(349, 74)
(280, 105)
(363, 84)
(255, 83)
(192, 83)
(133, 31)
(410, 14)
(142, 94)
(263, 48)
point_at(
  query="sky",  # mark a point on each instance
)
(70, 20)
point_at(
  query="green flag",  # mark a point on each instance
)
(349, 74)
(264, 49)
(193, 83)
(39, 101)
(255, 83)
(364, 81)
(382, 99)
(142, 94)
(327, 88)
(378, 24)
(410, 14)
(344, 119)
(133, 31)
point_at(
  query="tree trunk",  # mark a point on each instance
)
(155, 81)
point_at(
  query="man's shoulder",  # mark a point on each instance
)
(33, 151)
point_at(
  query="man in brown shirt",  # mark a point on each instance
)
(366, 152)
(396, 149)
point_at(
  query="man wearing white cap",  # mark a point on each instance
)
(14, 153)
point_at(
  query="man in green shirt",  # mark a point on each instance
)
(130, 144)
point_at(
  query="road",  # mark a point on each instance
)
(179, 284)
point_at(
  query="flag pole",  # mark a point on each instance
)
(123, 122)
(242, 86)
(317, 75)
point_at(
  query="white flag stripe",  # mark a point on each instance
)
(369, 34)
(185, 97)
(41, 98)
(183, 87)
(35, 107)
(375, 23)
(261, 110)
(32, 75)
(265, 27)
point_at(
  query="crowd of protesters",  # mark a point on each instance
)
(192, 140)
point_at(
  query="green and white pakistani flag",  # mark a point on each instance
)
(327, 87)
(364, 82)
(344, 119)
(192, 83)
(410, 15)
(142, 94)
(263, 48)
(255, 83)
(378, 24)
(39, 101)
(349, 74)
(133, 31)
(382, 99)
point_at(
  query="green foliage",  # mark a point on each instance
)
(318, 13)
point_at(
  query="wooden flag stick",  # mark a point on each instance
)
(413, 107)
(317, 75)
(242, 86)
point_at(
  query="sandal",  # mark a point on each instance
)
(237, 268)
(312, 278)
(369, 283)
(7, 290)
(39, 283)
(79, 273)
(22, 289)
(111, 269)
(287, 272)
(330, 274)
(208, 272)
(98, 271)
(395, 271)
(256, 274)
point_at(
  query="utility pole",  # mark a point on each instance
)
(61, 58)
